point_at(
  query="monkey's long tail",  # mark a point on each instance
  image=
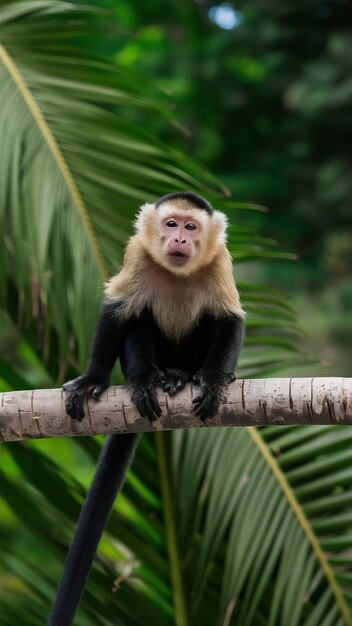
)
(114, 461)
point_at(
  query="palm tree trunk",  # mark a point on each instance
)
(259, 402)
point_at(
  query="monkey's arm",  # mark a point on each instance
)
(109, 334)
(138, 368)
(217, 370)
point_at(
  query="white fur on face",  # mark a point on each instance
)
(220, 220)
(217, 219)
(185, 213)
(144, 213)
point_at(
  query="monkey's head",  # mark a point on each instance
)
(181, 231)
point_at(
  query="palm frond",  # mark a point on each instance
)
(239, 501)
(73, 169)
(255, 516)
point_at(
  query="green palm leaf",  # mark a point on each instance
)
(73, 171)
(254, 517)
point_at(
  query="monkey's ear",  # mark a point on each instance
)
(220, 222)
(144, 215)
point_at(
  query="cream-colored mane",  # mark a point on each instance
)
(176, 301)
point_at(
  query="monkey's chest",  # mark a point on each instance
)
(176, 316)
(176, 309)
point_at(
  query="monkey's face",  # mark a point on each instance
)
(180, 239)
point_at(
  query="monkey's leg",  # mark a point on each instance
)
(114, 461)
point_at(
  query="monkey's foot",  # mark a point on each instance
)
(173, 380)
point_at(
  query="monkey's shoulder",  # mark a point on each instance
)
(176, 302)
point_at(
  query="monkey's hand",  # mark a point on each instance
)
(212, 392)
(77, 389)
(144, 397)
(173, 380)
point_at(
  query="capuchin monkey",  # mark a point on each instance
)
(171, 315)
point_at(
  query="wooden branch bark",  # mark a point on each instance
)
(278, 401)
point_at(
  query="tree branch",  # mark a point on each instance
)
(277, 401)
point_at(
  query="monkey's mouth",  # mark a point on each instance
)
(180, 254)
(178, 258)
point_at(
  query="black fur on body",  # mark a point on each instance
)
(207, 355)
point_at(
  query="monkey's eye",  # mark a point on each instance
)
(191, 226)
(171, 224)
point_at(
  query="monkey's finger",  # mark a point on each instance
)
(199, 405)
(154, 402)
(141, 409)
(149, 411)
(99, 389)
(205, 412)
(148, 399)
(137, 399)
(198, 399)
(144, 402)
(176, 386)
(144, 409)
(209, 397)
